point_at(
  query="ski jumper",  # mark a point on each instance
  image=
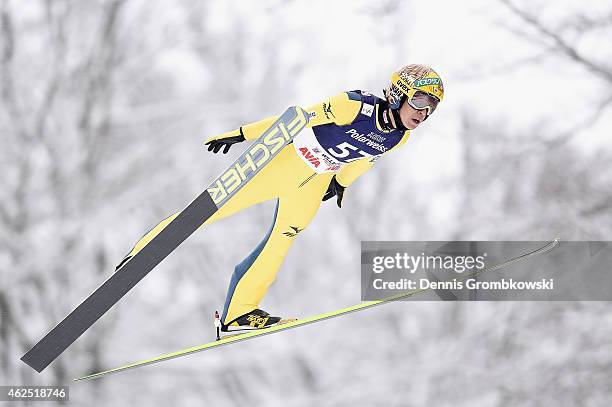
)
(345, 135)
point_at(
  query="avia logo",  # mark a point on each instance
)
(311, 158)
(327, 110)
(294, 233)
(426, 81)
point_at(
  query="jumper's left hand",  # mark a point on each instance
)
(334, 189)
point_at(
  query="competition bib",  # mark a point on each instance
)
(313, 154)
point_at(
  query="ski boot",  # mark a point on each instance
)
(251, 321)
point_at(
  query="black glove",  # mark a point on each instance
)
(334, 189)
(216, 145)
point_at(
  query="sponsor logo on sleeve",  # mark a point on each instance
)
(327, 109)
(367, 109)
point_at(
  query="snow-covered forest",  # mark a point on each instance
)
(104, 108)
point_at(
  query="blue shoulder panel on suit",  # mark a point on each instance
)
(353, 95)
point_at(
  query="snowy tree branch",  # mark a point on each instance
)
(561, 44)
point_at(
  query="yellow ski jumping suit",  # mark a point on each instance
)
(345, 135)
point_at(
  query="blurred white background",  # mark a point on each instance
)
(104, 107)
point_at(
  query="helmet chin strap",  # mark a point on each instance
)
(386, 122)
(398, 120)
(396, 117)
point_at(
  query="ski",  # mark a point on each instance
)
(301, 322)
(257, 155)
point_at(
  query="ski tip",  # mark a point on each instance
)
(85, 378)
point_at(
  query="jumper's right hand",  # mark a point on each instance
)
(225, 141)
(335, 189)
